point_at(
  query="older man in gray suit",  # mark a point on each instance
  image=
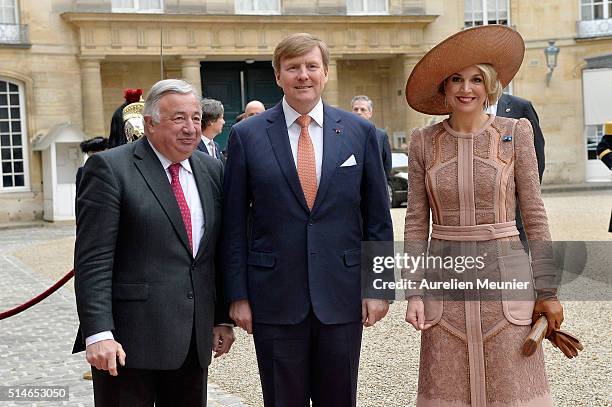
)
(149, 215)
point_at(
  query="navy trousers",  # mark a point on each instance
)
(308, 361)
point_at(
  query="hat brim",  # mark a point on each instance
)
(497, 45)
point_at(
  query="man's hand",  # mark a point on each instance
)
(415, 313)
(553, 311)
(223, 337)
(240, 312)
(373, 311)
(103, 355)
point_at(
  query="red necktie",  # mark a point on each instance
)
(180, 199)
(306, 163)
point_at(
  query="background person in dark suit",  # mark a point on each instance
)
(212, 126)
(313, 177)
(363, 106)
(149, 215)
(518, 108)
(89, 147)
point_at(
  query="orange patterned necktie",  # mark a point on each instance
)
(306, 163)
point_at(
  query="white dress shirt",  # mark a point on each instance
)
(315, 129)
(190, 190)
(210, 146)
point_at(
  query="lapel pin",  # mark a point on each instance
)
(507, 110)
(507, 138)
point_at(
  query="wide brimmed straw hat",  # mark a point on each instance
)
(497, 45)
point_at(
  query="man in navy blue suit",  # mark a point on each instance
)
(304, 186)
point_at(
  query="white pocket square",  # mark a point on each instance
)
(349, 162)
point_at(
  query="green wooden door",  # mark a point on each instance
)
(237, 83)
(261, 84)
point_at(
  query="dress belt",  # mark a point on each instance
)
(475, 233)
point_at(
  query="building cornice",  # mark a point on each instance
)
(84, 18)
(226, 36)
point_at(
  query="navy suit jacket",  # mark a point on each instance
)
(294, 259)
(517, 108)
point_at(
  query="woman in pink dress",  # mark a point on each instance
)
(469, 172)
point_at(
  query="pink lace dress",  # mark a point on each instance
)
(471, 356)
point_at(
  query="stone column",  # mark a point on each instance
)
(412, 119)
(93, 106)
(190, 68)
(330, 94)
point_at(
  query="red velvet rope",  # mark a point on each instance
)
(38, 298)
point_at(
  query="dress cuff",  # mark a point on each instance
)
(98, 337)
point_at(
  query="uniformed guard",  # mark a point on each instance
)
(133, 122)
(604, 148)
(604, 153)
(89, 147)
(117, 131)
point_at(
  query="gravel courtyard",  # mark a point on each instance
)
(389, 357)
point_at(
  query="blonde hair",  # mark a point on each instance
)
(298, 44)
(493, 86)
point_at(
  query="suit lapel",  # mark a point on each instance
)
(279, 139)
(202, 147)
(154, 175)
(218, 151)
(332, 143)
(206, 198)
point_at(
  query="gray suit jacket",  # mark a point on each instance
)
(135, 274)
(385, 150)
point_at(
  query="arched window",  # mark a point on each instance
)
(13, 142)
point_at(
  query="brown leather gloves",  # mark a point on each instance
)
(553, 311)
(566, 342)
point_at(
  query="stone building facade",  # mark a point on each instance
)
(64, 63)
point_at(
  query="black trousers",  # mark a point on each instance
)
(308, 361)
(185, 386)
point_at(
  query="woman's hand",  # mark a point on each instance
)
(553, 311)
(415, 313)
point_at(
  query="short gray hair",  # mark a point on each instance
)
(212, 110)
(161, 88)
(363, 98)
